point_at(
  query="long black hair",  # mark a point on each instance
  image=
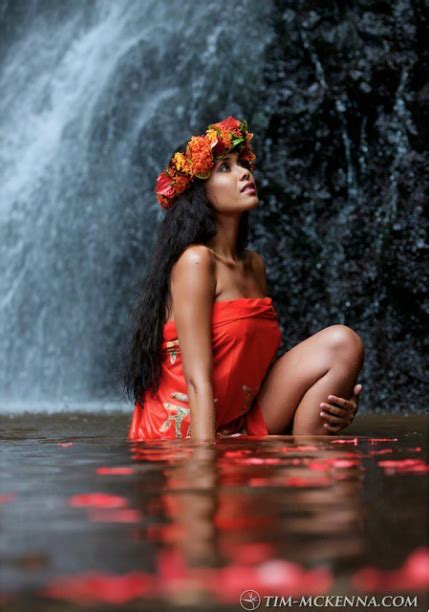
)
(190, 220)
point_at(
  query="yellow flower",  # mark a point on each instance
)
(182, 163)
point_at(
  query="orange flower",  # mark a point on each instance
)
(199, 150)
(181, 183)
(225, 138)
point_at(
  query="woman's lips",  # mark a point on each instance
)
(249, 190)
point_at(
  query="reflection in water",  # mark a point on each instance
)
(243, 505)
(198, 524)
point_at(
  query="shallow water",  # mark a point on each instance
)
(182, 525)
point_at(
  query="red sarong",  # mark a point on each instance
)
(245, 338)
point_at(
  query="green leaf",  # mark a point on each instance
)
(203, 176)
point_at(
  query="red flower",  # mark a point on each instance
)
(230, 123)
(170, 185)
(164, 185)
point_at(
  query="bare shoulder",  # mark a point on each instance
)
(196, 262)
(195, 254)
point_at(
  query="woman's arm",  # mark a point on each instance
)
(193, 286)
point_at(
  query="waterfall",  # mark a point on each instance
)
(95, 95)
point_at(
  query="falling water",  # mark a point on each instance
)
(94, 97)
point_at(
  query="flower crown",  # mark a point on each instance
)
(200, 156)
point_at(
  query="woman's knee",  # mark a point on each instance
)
(344, 342)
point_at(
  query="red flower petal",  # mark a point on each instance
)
(377, 440)
(319, 466)
(404, 465)
(294, 449)
(120, 471)
(258, 461)
(230, 123)
(98, 587)
(345, 463)
(98, 500)
(164, 185)
(417, 566)
(325, 464)
(353, 441)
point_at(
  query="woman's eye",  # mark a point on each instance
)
(242, 162)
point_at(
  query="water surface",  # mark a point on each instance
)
(89, 518)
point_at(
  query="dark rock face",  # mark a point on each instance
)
(96, 94)
(344, 175)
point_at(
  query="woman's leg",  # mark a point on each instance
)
(327, 363)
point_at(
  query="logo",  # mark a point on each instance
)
(250, 600)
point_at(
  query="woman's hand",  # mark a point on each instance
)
(339, 413)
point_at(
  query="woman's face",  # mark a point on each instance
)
(227, 186)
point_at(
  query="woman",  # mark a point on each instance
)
(202, 360)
